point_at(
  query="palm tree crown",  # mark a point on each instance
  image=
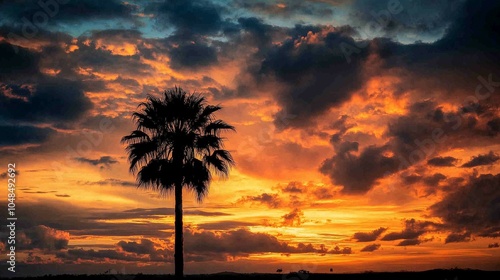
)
(178, 140)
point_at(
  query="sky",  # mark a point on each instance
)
(367, 134)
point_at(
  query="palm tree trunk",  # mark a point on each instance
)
(179, 234)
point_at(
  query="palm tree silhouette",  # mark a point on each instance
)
(178, 143)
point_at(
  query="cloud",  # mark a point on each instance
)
(191, 17)
(111, 181)
(341, 251)
(286, 10)
(17, 64)
(18, 135)
(442, 161)
(52, 100)
(368, 236)
(312, 74)
(345, 168)
(271, 200)
(104, 160)
(145, 246)
(472, 208)
(411, 232)
(409, 242)
(43, 237)
(458, 237)
(486, 159)
(294, 218)
(493, 245)
(67, 11)
(192, 55)
(241, 242)
(370, 248)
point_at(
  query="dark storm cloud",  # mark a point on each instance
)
(473, 208)
(458, 237)
(42, 237)
(369, 236)
(16, 61)
(409, 242)
(192, 56)
(479, 160)
(442, 161)
(230, 242)
(97, 255)
(412, 231)
(145, 246)
(53, 100)
(78, 221)
(345, 168)
(341, 251)
(63, 11)
(187, 16)
(312, 73)
(104, 160)
(286, 9)
(370, 248)
(434, 180)
(404, 18)
(18, 135)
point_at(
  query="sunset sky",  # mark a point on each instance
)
(367, 133)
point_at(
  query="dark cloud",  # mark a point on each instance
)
(369, 236)
(442, 161)
(42, 237)
(370, 248)
(230, 242)
(18, 135)
(293, 187)
(286, 9)
(52, 100)
(198, 17)
(64, 12)
(486, 159)
(271, 200)
(494, 126)
(473, 208)
(312, 73)
(345, 168)
(404, 19)
(458, 237)
(341, 251)
(412, 231)
(104, 160)
(493, 245)
(409, 242)
(192, 55)
(78, 221)
(294, 218)
(16, 61)
(434, 180)
(145, 246)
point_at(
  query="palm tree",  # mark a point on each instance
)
(178, 143)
